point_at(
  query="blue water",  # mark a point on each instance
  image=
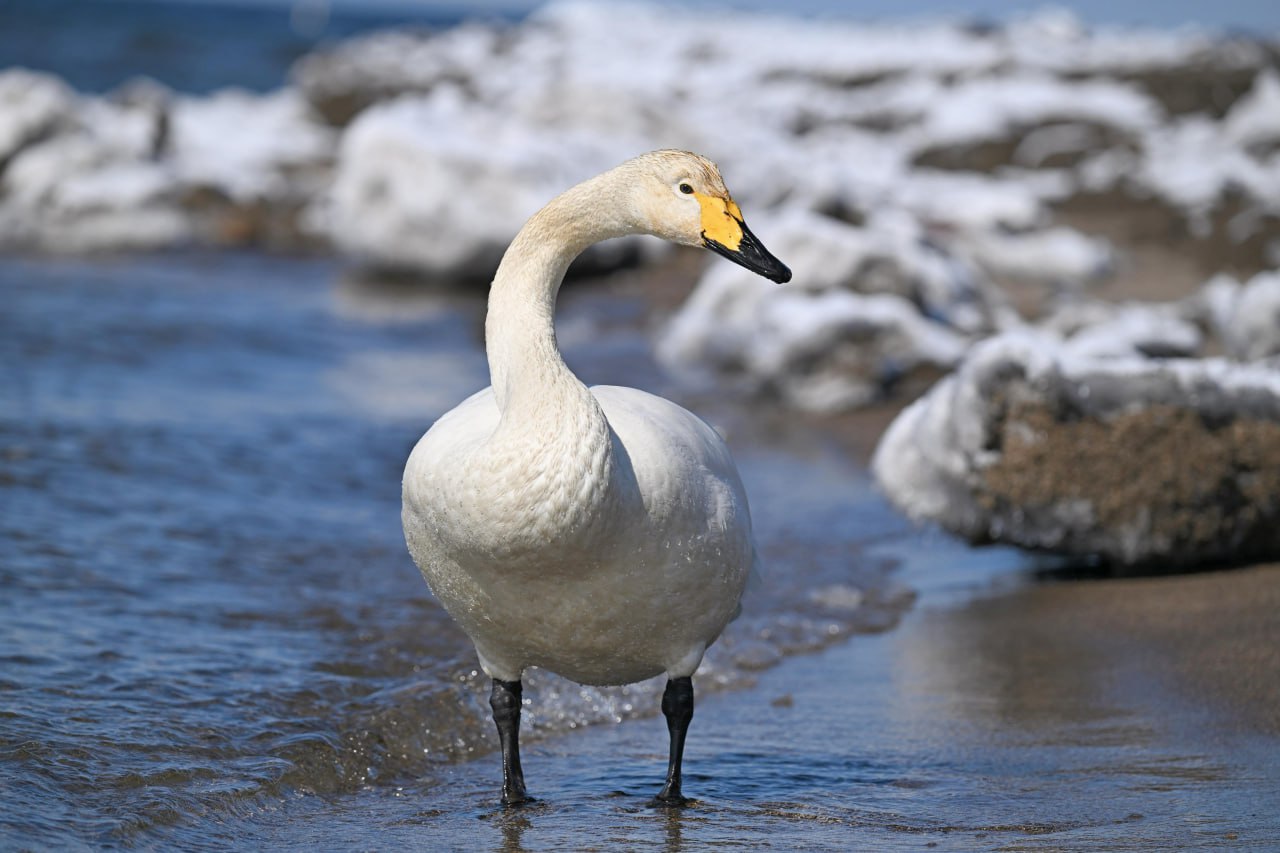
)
(208, 603)
(95, 45)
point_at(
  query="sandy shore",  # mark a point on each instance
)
(1210, 637)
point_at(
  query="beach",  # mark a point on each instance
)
(893, 687)
(995, 613)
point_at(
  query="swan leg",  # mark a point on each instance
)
(504, 699)
(677, 707)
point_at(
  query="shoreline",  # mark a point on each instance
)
(950, 730)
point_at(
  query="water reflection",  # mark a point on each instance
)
(673, 821)
(1016, 661)
(513, 822)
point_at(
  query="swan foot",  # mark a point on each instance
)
(504, 699)
(665, 800)
(677, 707)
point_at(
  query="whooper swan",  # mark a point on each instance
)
(601, 533)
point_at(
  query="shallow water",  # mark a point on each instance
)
(208, 602)
(211, 634)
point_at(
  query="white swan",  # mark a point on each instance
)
(600, 533)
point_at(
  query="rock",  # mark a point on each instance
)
(342, 80)
(1129, 461)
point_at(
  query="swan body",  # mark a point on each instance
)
(601, 533)
(622, 559)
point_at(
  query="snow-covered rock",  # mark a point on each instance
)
(32, 106)
(867, 308)
(449, 139)
(427, 183)
(92, 187)
(1095, 329)
(248, 146)
(1254, 121)
(1060, 256)
(1132, 461)
(1245, 317)
(992, 121)
(146, 170)
(343, 79)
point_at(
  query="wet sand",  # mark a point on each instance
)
(1212, 638)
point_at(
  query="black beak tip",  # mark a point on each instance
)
(752, 255)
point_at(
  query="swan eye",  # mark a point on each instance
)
(686, 189)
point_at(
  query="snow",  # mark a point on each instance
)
(1246, 316)
(31, 106)
(989, 107)
(244, 144)
(865, 307)
(1255, 118)
(414, 189)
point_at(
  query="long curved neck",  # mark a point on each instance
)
(525, 366)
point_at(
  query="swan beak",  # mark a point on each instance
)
(724, 233)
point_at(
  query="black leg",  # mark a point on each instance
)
(677, 707)
(505, 702)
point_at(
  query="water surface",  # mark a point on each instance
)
(211, 635)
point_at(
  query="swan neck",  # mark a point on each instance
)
(520, 341)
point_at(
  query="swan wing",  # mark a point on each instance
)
(686, 475)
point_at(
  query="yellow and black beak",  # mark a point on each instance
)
(724, 233)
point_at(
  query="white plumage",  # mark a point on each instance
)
(600, 533)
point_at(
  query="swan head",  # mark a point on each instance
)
(682, 198)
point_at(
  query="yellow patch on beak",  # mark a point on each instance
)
(721, 220)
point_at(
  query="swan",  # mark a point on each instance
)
(601, 533)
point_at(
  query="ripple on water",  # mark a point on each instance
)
(208, 603)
